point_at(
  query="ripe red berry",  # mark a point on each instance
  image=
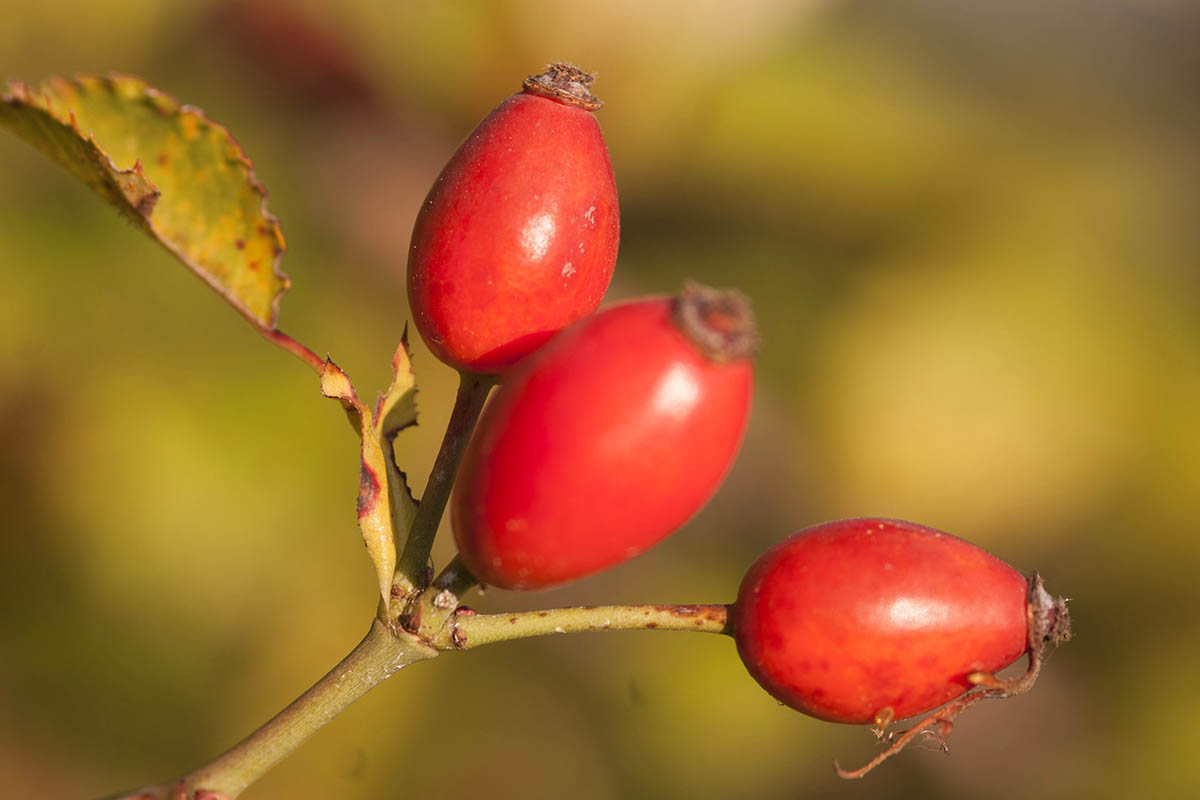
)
(872, 619)
(518, 236)
(606, 440)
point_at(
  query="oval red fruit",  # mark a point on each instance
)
(518, 236)
(848, 619)
(606, 440)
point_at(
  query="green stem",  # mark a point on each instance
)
(378, 656)
(472, 392)
(381, 654)
(469, 630)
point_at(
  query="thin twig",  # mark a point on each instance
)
(472, 393)
(469, 629)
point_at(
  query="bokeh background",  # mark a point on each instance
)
(969, 229)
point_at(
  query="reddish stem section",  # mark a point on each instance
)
(294, 347)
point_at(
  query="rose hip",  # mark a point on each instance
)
(606, 440)
(874, 620)
(518, 236)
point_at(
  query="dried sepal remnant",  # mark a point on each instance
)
(719, 321)
(1049, 620)
(566, 83)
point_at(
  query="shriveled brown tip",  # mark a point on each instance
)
(1049, 621)
(565, 83)
(719, 321)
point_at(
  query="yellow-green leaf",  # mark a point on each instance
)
(169, 170)
(336, 385)
(396, 410)
(374, 491)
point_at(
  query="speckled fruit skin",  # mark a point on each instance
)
(847, 618)
(598, 446)
(518, 236)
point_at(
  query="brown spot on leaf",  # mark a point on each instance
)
(240, 244)
(162, 159)
(145, 206)
(253, 266)
(368, 490)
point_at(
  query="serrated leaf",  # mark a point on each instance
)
(336, 385)
(169, 170)
(395, 410)
(375, 489)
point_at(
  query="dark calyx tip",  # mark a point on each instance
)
(1049, 620)
(565, 83)
(719, 322)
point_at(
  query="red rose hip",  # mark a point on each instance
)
(606, 440)
(866, 620)
(518, 236)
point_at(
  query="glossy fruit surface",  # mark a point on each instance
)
(846, 619)
(606, 440)
(518, 236)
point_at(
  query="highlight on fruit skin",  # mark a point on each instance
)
(869, 621)
(518, 236)
(606, 440)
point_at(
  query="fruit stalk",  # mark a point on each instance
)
(472, 393)
(468, 629)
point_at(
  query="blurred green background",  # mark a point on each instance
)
(970, 232)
